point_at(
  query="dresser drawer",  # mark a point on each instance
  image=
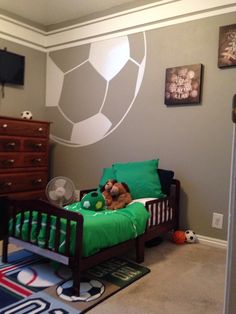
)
(27, 144)
(16, 160)
(22, 182)
(23, 128)
(35, 145)
(10, 144)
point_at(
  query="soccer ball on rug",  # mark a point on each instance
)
(90, 290)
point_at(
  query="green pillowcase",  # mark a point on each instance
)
(107, 174)
(141, 177)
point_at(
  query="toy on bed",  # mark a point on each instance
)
(120, 196)
(106, 191)
(93, 200)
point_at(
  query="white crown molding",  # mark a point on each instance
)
(22, 33)
(159, 14)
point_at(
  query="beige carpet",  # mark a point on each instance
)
(185, 279)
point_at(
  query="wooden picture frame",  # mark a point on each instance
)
(183, 84)
(227, 46)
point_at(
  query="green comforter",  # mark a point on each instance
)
(101, 229)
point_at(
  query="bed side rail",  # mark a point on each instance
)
(165, 210)
(25, 219)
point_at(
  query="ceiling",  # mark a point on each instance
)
(51, 12)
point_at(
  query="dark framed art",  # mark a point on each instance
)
(227, 46)
(183, 84)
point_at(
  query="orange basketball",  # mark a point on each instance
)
(179, 237)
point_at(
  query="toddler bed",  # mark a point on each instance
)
(157, 217)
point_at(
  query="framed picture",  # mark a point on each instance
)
(183, 85)
(227, 46)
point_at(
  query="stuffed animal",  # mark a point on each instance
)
(106, 189)
(120, 195)
(93, 201)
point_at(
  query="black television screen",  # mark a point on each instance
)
(12, 68)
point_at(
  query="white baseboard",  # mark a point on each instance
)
(212, 241)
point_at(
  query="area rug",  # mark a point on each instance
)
(32, 284)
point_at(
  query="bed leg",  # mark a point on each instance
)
(76, 280)
(140, 245)
(5, 250)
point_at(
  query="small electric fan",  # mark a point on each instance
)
(60, 191)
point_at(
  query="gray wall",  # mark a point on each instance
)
(194, 141)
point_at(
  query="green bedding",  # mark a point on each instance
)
(101, 229)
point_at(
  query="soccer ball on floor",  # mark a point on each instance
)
(90, 290)
(26, 115)
(83, 83)
(190, 236)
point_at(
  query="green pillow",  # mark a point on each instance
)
(141, 177)
(108, 173)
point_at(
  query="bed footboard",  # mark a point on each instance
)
(19, 213)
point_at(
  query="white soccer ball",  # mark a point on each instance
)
(26, 115)
(90, 290)
(190, 236)
(91, 88)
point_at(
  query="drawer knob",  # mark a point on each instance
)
(4, 126)
(40, 129)
(37, 181)
(9, 161)
(37, 145)
(10, 144)
(37, 160)
(6, 184)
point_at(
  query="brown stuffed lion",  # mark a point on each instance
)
(120, 195)
(106, 191)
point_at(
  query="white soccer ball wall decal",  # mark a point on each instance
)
(91, 88)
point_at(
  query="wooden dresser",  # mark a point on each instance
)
(24, 155)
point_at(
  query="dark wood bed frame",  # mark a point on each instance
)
(164, 218)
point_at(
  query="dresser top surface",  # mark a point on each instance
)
(23, 120)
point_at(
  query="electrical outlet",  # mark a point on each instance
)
(217, 221)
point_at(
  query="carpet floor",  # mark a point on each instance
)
(184, 279)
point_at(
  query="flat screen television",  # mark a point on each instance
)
(12, 68)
